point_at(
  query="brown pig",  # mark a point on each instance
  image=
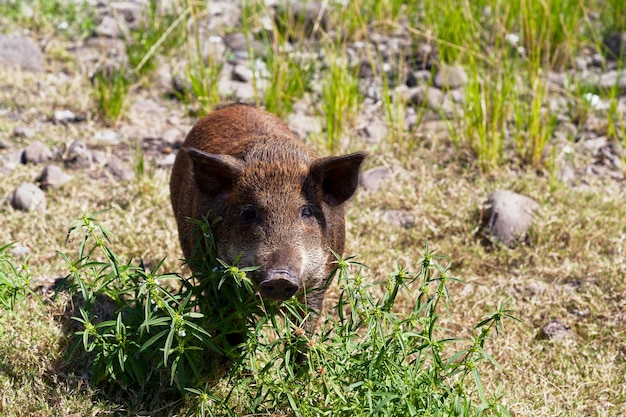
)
(281, 205)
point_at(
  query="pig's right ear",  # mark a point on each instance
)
(214, 174)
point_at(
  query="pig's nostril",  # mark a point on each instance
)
(278, 289)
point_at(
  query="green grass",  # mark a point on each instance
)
(110, 90)
(340, 98)
(367, 358)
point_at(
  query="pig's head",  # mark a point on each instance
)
(281, 209)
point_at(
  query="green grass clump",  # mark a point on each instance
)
(110, 90)
(14, 280)
(159, 31)
(366, 359)
(290, 76)
(340, 98)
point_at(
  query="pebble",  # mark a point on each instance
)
(508, 216)
(52, 176)
(64, 116)
(450, 76)
(23, 132)
(117, 168)
(37, 152)
(21, 52)
(374, 178)
(28, 197)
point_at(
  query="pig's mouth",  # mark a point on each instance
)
(278, 284)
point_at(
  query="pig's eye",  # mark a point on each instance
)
(248, 214)
(306, 212)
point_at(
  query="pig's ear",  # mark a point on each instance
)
(338, 176)
(214, 174)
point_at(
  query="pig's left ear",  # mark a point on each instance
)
(338, 176)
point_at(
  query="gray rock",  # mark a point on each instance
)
(376, 130)
(52, 176)
(64, 116)
(555, 329)
(237, 90)
(242, 73)
(434, 99)
(303, 124)
(23, 132)
(374, 178)
(457, 96)
(28, 197)
(108, 27)
(20, 52)
(11, 160)
(172, 136)
(508, 216)
(130, 11)
(238, 43)
(611, 79)
(450, 76)
(5, 144)
(37, 152)
(107, 137)
(166, 161)
(222, 15)
(78, 155)
(117, 168)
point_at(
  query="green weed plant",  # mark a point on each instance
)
(14, 280)
(365, 359)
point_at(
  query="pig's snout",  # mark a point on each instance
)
(280, 285)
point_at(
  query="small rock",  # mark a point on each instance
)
(508, 216)
(237, 90)
(238, 43)
(172, 136)
(117, 168)
(23, 132)
(52, 176)
(107, 137)
(242, 73)
(78, 155)
(374, 178)
(28, 197)
(64, 116)
(5, 144)
(450, 76)
(20, 52)
(108, 27)
(166, 161)
(131, 11)
(556, 329)
(430, 97)
(221, 15)
(37, 152)
(11, 160)
(376, 131)
(303, 124)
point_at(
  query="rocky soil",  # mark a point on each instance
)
(584, 153)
